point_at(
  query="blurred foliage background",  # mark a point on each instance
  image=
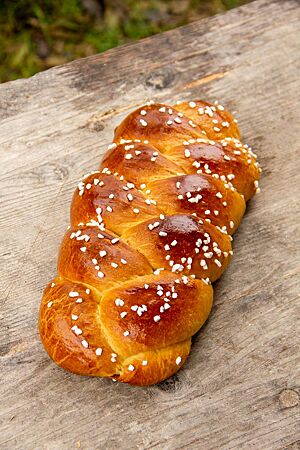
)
(38, 34)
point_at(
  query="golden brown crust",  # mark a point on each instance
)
(158, 124)
(160, 311)
(182, 243)
(227, 160)
(160, 364)
(200, 194)
(102, 197)
(99, 259)
(150, 230)
(126, 160)
(71, 331)
(75, 322)
(214, 120)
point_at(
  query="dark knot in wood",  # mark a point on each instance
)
(160, 79)
(288, 398)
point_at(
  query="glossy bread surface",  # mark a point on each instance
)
(150, 230)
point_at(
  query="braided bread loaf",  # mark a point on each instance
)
(149, 233)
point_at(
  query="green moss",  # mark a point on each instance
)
(36, 35)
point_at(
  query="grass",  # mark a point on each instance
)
(36, 35)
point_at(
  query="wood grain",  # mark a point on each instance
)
(240, 387)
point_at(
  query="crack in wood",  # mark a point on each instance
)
(205, 80)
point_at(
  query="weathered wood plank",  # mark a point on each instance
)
(240, 388)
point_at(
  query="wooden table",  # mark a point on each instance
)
(240, 387)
